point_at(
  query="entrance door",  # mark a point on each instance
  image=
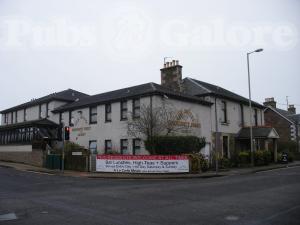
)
(225, 146)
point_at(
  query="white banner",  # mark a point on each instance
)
(142, 163)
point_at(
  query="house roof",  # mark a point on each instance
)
(200, 88)
(258, 132)
(130, 92)
(68, 95)
(32, 123)
(295, 118)
(283, 113)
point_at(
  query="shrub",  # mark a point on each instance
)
(244, 158)
(197, 163)
(224, 163)
(262, 157)
(174, 145)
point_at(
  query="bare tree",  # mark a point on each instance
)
(154, 121)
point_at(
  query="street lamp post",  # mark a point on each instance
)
(250, 105)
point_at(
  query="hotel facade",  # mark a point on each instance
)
(99, 122)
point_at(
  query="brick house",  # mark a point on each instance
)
(286, 122)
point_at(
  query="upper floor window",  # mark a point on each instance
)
(16, 116)
(136, 108)
(108, 146)
(242, 115)
(255, 117)
(108, 113)
(93, 114)
(124, 110)
(25, 114)
(47, 110)
(40, 111)
(224, 112)
(5, 118)
(71, 118)
(136, 145)
(12, 117)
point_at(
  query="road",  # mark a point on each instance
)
(271, 197)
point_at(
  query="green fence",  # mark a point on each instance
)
(53, 161)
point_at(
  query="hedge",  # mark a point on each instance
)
(174, 145)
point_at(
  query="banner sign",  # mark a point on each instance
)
(142, 163)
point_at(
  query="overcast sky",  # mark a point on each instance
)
(98, 46)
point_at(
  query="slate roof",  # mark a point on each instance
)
(32, 123)
(258, 132)
(130, 92)
(68, 95)
(292, 118)
(200, 88)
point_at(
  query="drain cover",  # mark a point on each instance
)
(8, 216)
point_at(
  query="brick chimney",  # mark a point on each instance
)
(171, 75)
(270, 102)
(292, 109)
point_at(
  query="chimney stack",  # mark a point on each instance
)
(171, 75)
(270, 102)
(292, 109)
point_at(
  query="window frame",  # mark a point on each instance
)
(108, 120)
(123, 147)
(106, 145)
(134, 146)
(135, 108)
(93, 141)
(91, 114)
(224, 111)
(123, 110)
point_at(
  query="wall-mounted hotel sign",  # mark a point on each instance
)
(142, 163)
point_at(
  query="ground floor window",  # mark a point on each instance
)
(108, 146)
(124, 146)
(136, 146)
(93, 147)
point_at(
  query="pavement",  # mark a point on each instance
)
(208, 174)
(269, 197)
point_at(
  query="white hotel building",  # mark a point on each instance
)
(98, 122)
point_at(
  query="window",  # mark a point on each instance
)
(108, 146)
(93, 115)
(40, 111)
(71, 118)
(224, 112)
(47, 109)
(136, 146)
(5, 118)
(136, 108)
(242, 115)
(108, 113)
(16, 116)
(255, 117)
(93, 147)
(12, 117)
(60, 118)
(124, 146)
(124, 110)
(25, 114)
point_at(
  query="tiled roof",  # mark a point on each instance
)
(200, 88)
(130, 92)
(68, 95)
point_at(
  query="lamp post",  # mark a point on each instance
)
(250, 105)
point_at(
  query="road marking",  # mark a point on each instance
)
(39, 172)
(282, 168)
(232, 218)
(8, 216)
